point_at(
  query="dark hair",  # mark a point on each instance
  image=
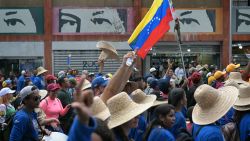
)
(164, 85)
(161, 110)
(103, 131)
(119, 132)
(189, 113)
(176, 95)
(238, 115)
(61, 80)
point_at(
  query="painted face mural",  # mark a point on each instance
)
(243, 20)
(195, 20)
(92, 20)
(17, 21)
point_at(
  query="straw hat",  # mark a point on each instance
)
(232, 83)
(232, 67)
(99, 109)
(86, 85)
(122, 109)
(236, 76)
(244, 95)
(41, 70)
(242, 108)
(212, 103)
(108, 51)
(140, 97)
(43, 93)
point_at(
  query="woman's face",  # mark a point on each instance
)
(170, 73)
(169, 119)
(133, 123)
(95, 137)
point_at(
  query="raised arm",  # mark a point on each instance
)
(118, 81)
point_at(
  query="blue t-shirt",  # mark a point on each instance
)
(39, 82)
(25, 126)
(209, 132)
(81, 132)
(226, 118)
(160, 134)
(137, 133)
(20, 83)
(179, 123)
(244, 127)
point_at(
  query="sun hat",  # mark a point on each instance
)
(242, 108)
(244, 96)
(231, 67)
(232, 83)
(210, 80)
(53, 87)
(152, 69)
(159, 99)
(99, 81)
(140, 97)
(50, 77)
(86, 85)
(5, 91)
(61, 74)
(28, 90)
(108, 51)
(199, 67)
(41, 70)
(99, 109)
(236, 76)
(122, 109)
(213, 103)
(43, 93)
(219, 74)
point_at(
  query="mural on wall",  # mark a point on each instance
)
(98, 20)
(21, 20)
(243, 20)
(195, 21)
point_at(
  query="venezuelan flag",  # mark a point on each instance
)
(153, 26)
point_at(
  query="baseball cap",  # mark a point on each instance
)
(218, 74)
(164, 85)
(152, 69)
(53, 87)
(232, 67)
(50, 77)
(5, 91)
(28, 90)
(99, 81)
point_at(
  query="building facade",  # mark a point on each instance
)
(59, 34)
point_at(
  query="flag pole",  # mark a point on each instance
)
(178, 35)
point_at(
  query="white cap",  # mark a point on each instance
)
(28, 90)
(152, 69)
(23, 72)
(5, 91)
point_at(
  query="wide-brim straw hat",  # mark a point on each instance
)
(122, 109)
(108, 51)
(43, 93)
(41, 70)
(236, 76)
(244, 95)
(212, 103)
(232, 83)
(242, 108)
(158, 102)
(86, 85)
(140, 97)
(99, 109)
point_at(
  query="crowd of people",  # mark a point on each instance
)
(202, 103)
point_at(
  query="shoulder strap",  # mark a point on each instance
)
(46, 101)
(198, 131)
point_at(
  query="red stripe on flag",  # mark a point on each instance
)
(156, 34)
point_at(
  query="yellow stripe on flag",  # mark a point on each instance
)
(148, 17)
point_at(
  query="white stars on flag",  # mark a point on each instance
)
(151, 22)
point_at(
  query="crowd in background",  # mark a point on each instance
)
(197, 103)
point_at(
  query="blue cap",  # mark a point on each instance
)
(99, 81)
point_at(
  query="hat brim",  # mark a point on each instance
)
(237, 66)
(242, 108)
(239, 81)
(147, 99)
(86, 87)
(125, 115)
(228, 96)
(103, 115)
(242, 102)
(43, 93)
(157, 102)
(41, 72)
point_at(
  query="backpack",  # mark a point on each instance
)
(184, 135)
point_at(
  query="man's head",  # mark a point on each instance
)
(63, 82)
(30, 96)
(98, 85)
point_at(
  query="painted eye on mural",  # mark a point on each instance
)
(13, 21)
(100, 21)
(189, 21)
(69, 22)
